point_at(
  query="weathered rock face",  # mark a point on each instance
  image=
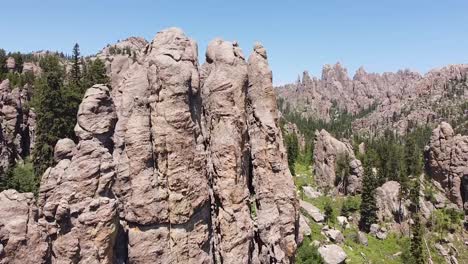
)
(224, 79)
(17, 124)
(327, 150)
(177, 164)
(447, 162)
(21, 238)
(277, 206)
(168, 200)
(392, 209)
(76, 204)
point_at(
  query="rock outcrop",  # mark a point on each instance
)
(446, 161)
(76, 203)
(388, 201)
(277, 206)
(178, 163)
(17, 124)
(21, 238)
(327, 151)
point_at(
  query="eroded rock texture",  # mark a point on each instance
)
(21, 238)
(271, 186)
(224, 78)
(447, 162)
(178, 163)
(76, 204)
(327, 151)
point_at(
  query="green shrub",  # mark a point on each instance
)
(329, 213)
(21, 178)
(308, 254)
(445, 220)
(350, 205)
(429, 194)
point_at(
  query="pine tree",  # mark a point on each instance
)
(75, 73)
(3, 58)
(368, 207)
(47, 104)
(95, 74)
(292, 147)
(56, 106)
(413, 162)
(416, 248)
(343, 170)
(328, 212)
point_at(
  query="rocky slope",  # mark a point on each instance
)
(397, 101)
(178, 163)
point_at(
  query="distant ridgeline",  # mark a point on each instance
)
(374, 103)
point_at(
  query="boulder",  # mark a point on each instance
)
(343, 221)
(64, 149)
(310, 192)
(315, 243)
(382, 235)
(374, 228)
(304, 228)
(312, 211)
(388, 202)
(96, 114)
(332, 254)
(362, 238)
(334, 235)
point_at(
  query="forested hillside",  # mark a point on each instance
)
(402, 213)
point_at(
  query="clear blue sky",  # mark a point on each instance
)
(380, 35)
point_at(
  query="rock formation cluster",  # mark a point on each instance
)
(395, 101)
(350, 94)
(177, 163)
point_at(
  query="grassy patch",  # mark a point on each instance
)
(304, 175)
(378, 251)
